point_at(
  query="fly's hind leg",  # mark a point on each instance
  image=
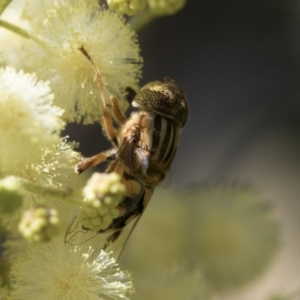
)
(112, 238)
(89, 162)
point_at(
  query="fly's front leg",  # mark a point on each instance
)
(116, 109)
(107, 120)
(120, 117)
(109, 129)
(89, 162)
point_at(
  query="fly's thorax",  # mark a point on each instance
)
(129, 131)
(151, 141)
(138, 130)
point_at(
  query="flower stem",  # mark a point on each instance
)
(3, 5)
(141, 20)
(18, 30)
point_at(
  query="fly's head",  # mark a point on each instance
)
(163, 98)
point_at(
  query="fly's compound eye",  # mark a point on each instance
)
(164, 98)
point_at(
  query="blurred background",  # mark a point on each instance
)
(239, 65)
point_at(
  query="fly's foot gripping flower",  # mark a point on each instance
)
(165, 7)
(39, 224)
(129, 8)
(11, 197)
(102, 195)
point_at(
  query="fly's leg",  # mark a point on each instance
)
(121, 118)
(89, 162)
(109, 129)
(112, 238)
(107, 120)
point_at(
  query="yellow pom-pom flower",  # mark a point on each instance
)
(54, 167)
(56, 271)
(52, 177)
(36, 12)
(28, 120)
(109, 41)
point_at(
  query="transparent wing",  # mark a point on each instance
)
(76, 234)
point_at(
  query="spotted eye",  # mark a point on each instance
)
(164, 98)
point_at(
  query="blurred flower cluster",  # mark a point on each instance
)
(204, 242)
(193, 244)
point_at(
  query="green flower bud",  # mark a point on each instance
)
(39, 224)
(128, 7)
(102, 194)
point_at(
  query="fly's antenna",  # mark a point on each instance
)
(98, 74)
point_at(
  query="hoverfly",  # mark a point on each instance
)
(144, 145)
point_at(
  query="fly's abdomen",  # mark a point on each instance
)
(133, 202)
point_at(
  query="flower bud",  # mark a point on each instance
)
(39, 224)
(102, 194)
(165, 7)
(128, 7)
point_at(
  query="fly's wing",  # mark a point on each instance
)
(76, 234)
(127, 225)
(133, 205)
(126, 158)
(136, 198)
